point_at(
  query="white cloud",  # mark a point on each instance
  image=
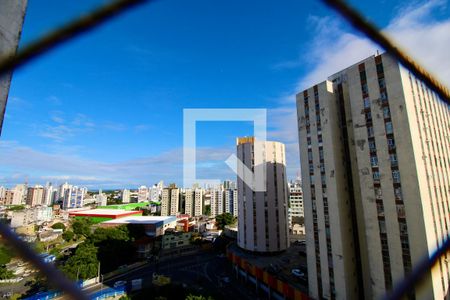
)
(59, 166)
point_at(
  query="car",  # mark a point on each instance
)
(119, 283)
(297, 273)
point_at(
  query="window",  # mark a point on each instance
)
(374, 161)
(310, 156)
(386, 112)
(396, 176)
(376, 175)
(321, 154)
(370, 131)
(381, 83)
(393, 159)
(380, 69)
(372, 146)
(398, 193)
(389, 129)
(364, 88)
(366, 102)
(391, 143)
(383, 96)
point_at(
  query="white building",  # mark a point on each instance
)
(143, 194)
(49, 195)
(126, 196)
(101, 199)
(262, 217)
(217, 201)
(74, 197)
(2, 192)
(62, 191)
(375, 170)
(34, 215)
(231, 201)
(295, 202)
(20, 194)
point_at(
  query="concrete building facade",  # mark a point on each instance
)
(170, 199)
(231, 201)
(35, 195)
(374, 143)
(12, 14)
(262, 216)
(295, 202)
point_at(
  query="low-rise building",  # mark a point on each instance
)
(154, 225)
(174, 239)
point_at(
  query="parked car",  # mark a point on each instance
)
(297, 273)
(119, 283)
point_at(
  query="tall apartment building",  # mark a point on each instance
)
(35, 195)
(74, 197)
(296, 210)
(193, 202)
(2, 192)
(170, 200)
(217, 201)
(20, 194)
(231, 201)
(49, 194)
(376, 167)
(262, 217)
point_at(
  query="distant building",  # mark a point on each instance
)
(2, 193)
(74, 197)
(374, 145)
(193, 202)
(35, 195)
(50, 194)
(101, 199)
(20, 194)
(154, 225)
(126, 196)
(62, 191)
(231, 201)
(175, 239)
(262, 217)
(296, 210)
(170, 201)
(34, 215)
(217, 201)
(143, 193)
(9, 197)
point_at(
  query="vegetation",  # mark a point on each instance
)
(59, 225)
(83, 264)
(208, 210)
(5, 274)
(224, 220)
(82, 227)
(68, 235)
(16, 207)
(5, 255)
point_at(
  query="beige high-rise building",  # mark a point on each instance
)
(217, 201)
(20, 194)
(35, 195)
(170, 199)
(262, 215)
(375, 150)
(193, 202)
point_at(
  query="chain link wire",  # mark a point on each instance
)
(99, 16)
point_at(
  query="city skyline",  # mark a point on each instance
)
(108, 141)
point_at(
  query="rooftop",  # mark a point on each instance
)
(146, 220)
(103, 213)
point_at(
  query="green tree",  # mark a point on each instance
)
(208, 210)
(83, 264)
(59, 225)
(5, 255)
(224, 219)
(82, 226)
(68, 235)
(5, 274)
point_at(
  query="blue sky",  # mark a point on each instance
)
(105, 110)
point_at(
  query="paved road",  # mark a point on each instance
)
(203, 271)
